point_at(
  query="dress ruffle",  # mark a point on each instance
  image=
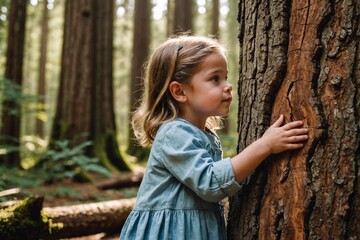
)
(174, 224)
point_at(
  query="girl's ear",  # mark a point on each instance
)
(176, 90)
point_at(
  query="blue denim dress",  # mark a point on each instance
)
(184, 183)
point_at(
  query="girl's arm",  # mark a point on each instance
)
(275, 140)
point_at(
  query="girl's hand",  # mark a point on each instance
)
(275, 140)
(288, 137)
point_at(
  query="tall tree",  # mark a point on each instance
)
(85, 110)
(183, 16)
(170, 17)
(42, 69)
(10, 127)
(3, 32)
(302, 60)
(141, 41)
(215, 18)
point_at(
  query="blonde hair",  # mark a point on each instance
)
(177, 59)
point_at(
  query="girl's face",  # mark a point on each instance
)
(208, 92)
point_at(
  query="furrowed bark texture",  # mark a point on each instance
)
(300, 59)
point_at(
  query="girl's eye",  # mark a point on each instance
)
(215, 79)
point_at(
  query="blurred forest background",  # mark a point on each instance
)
(70, 74)
(44, 155)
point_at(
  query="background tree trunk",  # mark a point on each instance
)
(215, 10)
(10, 127)
(141, 42)
(170, 17)
(42, 70)
(301, 60)
(85, 110)
(103, 128)
(183, 16)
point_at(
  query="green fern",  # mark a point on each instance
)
(64, 161)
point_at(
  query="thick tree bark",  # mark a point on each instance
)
(10, 125)
(29, 220)
(85, 110)
(301, 60)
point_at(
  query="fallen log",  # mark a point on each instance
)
(8, 203)
(10, 192)
(23, 219)
(125, 180)
(65, 221)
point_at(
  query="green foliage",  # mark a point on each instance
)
(130, 192)
(228, 143)
(59, 162)
(8, 148)
(32, 147)
(140, 153)
(63, 161)
(15, 177)
(65, 192)
(11, 92)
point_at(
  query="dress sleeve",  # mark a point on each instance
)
(185, 155)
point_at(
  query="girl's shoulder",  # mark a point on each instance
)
(179, 126)
(181, 130)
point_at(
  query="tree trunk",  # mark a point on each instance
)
(10, 126)
(215, 18)
(183, 16)
(301, 60)
(42, 70)
(170, 17)
(29, 220)
(141, 42)
(85, 108)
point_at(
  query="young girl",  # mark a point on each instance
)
(186, 178)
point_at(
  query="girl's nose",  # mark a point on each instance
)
(228, 87)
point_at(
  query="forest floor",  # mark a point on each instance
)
(67, 193)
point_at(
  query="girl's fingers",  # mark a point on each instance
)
(298, 131)
(292, 125)
(295, 139)
(279, 121)
(294, 146)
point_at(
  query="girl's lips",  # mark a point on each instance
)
(228, 99)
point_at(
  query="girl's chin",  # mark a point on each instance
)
(224, 114)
